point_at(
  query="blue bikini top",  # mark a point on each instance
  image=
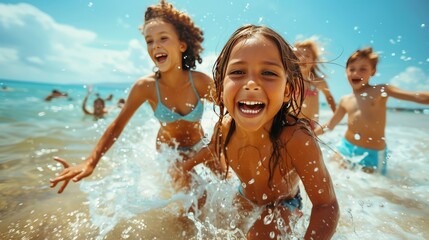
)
(164, 114)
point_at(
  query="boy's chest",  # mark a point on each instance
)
(361, 105)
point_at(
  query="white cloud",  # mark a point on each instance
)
(35, 47)
(412, 79)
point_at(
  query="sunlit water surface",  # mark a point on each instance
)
(130, 196)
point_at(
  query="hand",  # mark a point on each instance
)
(89, 88)
(76, 173)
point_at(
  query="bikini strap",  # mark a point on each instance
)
(193, 85)
(158, 94)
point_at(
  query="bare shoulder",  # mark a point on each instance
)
(298, 132)
(203, 83)
(143, 88)
(347, 98)
(200, 76)
(145, 81)
(301, 144)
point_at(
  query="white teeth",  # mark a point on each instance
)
(160, 55)
(250, 102)
(251, 111)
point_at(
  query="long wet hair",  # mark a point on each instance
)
(187, 31)
(286, 116)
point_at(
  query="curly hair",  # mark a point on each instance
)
(187, 31)
(364, 53)
(289, 110)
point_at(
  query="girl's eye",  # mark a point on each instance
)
(236, 72)
(269, 73)
(164, 38)
(149, 41)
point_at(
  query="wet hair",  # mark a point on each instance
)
(187, 31)
(364, 53)
(100, 100)
(286, 116)
(310, 45)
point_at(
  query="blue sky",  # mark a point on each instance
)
(89, 42)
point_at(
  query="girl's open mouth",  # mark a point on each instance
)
(161, 57)
(251, 107)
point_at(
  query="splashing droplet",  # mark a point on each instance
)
(264, 196)
(357, 136)
(269, 218)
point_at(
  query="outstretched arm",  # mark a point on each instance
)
(323, 86)
(89, 90)
(418, 97)
(335, 119)
(137, 96)
(309, 165)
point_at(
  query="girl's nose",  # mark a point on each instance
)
(251, 85)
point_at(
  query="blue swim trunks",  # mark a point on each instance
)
(368, 158)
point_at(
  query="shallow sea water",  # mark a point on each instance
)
(129, 196)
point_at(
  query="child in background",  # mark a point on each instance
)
(99, 106)
(366, 112)
(259, 90)
(174, 45)
(55, 94)
(308, 55)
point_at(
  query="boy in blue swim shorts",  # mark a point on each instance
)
(364, 140)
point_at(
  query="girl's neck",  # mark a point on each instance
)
(174, 77)
(253, 137)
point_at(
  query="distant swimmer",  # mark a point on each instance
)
(99, 106)
(55, 94)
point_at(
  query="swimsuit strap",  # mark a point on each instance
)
(193, 85)
(158, 94)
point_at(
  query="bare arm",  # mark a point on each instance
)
(137, 96)
(329, 98)
(84, 105)
(309, 165)
(418, 97)
(335, 119)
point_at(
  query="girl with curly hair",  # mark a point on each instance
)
(174, 45)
